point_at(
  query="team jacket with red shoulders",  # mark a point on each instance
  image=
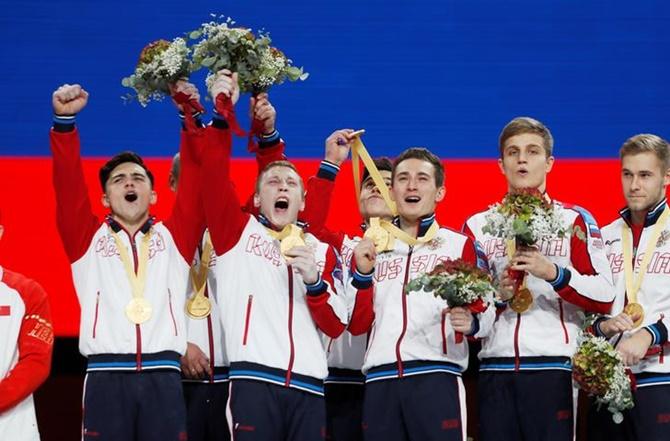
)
(25, 353)
(207, 333)
(106, 336)
(272, 319)
(410, 333)
(545, 336)
(654, 293)
(346, 352)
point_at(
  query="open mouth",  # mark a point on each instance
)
(131, 197)
(281, 204)
(412, 199)
(522, 172)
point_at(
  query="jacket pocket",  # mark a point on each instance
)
(174, 322)
(97, 309)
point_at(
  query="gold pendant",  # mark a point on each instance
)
(198, 307)
(379, 236)
(522, 300)
(289, 242)
(138, 310)
(633, 309)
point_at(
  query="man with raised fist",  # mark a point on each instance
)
(130, 273)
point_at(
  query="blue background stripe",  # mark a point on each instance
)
(444, 74)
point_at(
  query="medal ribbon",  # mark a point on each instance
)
(199, 277)
(360, 153)
(137, 280)
(409, 240)
(288, 230)
(633, 284)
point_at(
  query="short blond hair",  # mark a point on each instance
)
(525, 124)
(275, 164)
(647, 143)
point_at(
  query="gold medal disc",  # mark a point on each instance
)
(198, 307)
(522, 300)
(138, 310)
(379, 236)
(289, 242)
(633, 309)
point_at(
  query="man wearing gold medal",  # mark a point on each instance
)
(277, 300)
(638, 248)
(130, 274)
(345, 383)
(413, 365)
(525, 383)
(205, 365)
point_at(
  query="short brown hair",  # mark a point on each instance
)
(276, 164)
(524, 124)
(121, 158)
(647, 142)
(382, 163)
(424, 155)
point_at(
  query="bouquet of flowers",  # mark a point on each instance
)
(161, 64)
(599, 371)
(459, 283)
(526, 217)
(221, 45)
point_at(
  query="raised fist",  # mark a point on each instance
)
(338, 145)
(365, 256)
(225, 82)
(262, 110)
(183, 86)
(69, 99)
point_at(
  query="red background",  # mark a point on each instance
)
(31, 244)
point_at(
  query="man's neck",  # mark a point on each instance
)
(131, 226)
(410, 226)
(638, 217)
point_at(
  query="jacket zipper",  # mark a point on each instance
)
(290, 325)
(404, 316)
(444, 334)
(210, 332)
(247, 319)
(517, 360)
(138, 331)
(565, 330)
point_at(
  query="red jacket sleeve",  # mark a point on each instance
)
(187, 220)
(74, 217)
(363, 313)
(318, 194)
(589, 283)
(323, 300)
(35, 344)
(225, 218)
(319, 191)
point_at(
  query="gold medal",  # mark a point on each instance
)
(289, 242)
(633, 284)
(138, 310)
(633, 309)
(198, 307)
(522, 300)
(377, 234)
